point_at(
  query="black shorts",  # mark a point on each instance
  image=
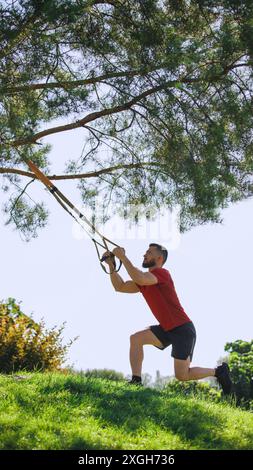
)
(182, 338)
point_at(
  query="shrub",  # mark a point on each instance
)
(202, 389)
(105, 374)
(27, 345)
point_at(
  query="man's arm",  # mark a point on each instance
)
(139, 277)
(119, 285)
(128, 287)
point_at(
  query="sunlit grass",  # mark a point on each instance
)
(57, 411)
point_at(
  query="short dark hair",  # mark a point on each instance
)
(162, 250)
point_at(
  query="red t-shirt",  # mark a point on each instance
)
(163, 300)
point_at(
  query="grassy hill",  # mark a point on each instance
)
(57, 411)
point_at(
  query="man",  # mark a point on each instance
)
(175, 327)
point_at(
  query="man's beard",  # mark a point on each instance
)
(148, 264)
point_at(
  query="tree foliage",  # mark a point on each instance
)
(26, 344)
(162, 90)
(241, 364)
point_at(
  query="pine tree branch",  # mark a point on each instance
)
(95, 115)
(117, 109)
(66, 84)
(91, 174)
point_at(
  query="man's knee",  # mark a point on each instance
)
(135, 338)
(182, 368)
(182, 377)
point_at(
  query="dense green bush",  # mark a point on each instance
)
(241, 366)
(27, 345)
(105, 374)
(193, 387)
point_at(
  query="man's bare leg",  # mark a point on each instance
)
(184, 372)
(136, 358)
(137, 342)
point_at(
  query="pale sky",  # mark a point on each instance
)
(57, 276)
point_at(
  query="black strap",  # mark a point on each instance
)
(53, 189)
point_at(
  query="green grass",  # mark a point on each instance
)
(57, 411)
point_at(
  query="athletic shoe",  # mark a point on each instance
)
(135, 382)
(222, 374)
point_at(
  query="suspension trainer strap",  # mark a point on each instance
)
(54, 190)
(78, 217)
(105, 246)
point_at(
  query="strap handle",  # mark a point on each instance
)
(101, 260)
